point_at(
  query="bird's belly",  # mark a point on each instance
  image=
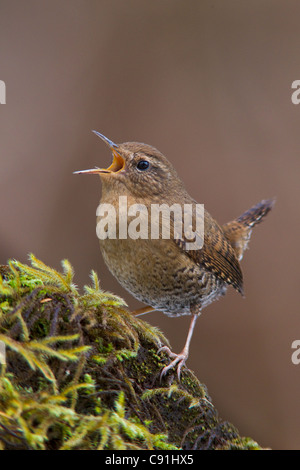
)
(155, 272)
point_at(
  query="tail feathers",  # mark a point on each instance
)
(254, 215)
(238, 231)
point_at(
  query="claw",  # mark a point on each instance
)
(167, 350)
(179, 360)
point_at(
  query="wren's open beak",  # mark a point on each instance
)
(118, 162)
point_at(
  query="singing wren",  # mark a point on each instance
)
(162, 272)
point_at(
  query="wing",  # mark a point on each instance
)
(217, 254)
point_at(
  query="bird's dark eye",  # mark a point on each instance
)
(143, 165)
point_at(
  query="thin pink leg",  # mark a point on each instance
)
(182, 357)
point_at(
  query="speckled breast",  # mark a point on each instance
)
(157, 273)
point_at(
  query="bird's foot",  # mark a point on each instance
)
(178, 359)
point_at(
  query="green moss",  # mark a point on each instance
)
(81, 372)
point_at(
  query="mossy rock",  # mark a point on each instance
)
(82, 372)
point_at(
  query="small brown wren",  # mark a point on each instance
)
(162, 272)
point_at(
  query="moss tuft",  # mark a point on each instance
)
(81, 372)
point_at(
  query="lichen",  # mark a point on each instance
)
(82, 372)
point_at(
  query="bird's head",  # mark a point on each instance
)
(141, 168)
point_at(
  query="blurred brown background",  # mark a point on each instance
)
(209, 84)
